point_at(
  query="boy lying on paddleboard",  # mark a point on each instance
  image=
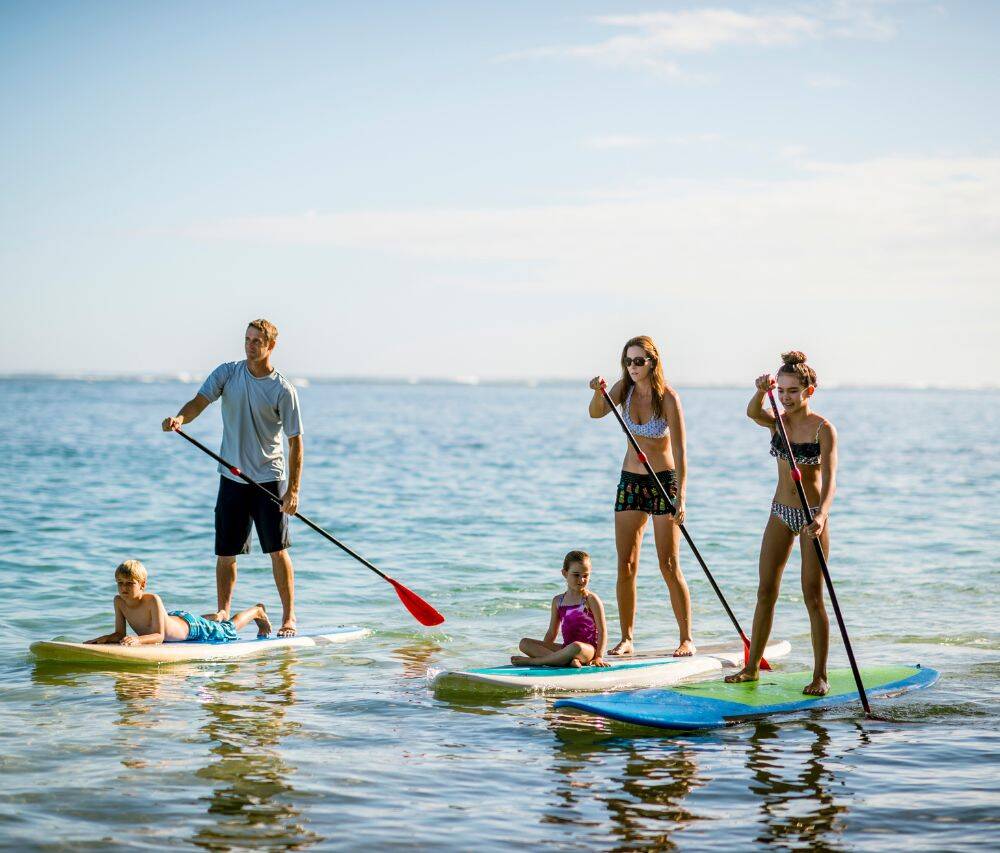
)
(145, 614)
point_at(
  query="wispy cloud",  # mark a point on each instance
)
(626, 141)
(892, 227)
(652, 40)
(619, 141)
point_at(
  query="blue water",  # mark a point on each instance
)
(470, 496)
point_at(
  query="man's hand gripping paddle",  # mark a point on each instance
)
(649, 468)
(423, 612)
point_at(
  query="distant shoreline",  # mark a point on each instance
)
(437, 381)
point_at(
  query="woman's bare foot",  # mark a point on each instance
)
(685, 649)
(218, 616)
(520, 660)
(745, 674)
(263, 623)
(575, 664)
(817, 687)
(624, 647)
(288, 629)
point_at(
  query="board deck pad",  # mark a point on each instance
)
(57, 650)
(629, 672)
(713, 704)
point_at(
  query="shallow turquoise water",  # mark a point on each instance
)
(470, 496)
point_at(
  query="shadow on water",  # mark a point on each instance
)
(794, 786)
(794, 774)
(243, 711)
(251, 801)
(643, 804)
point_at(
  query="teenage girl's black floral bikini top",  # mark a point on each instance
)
(806, 452)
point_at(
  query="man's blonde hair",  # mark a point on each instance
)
(266, 328)
(133, 570)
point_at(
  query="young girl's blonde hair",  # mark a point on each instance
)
(581, 557)
(132, 570)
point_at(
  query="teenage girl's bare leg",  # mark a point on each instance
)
(774, 551)
(819, 622)
(629, 527)
(575, 654)
(668, 546)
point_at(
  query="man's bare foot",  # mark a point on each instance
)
(520, 660)
(263, 623)
(685, 649)
(817, 687)
(625, 647)
(745, 674)
(218, 616)
(287, 629)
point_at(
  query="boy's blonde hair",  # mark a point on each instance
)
(133, 570)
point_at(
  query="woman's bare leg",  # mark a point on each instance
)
(668, 548)
(774, 551)
(819, 622)
(629, 527)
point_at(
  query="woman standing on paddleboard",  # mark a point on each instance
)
(814, 445)
(652, 411)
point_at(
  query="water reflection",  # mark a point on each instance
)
(644, 803)
(793, 781)
(253, 801)
(417, 657)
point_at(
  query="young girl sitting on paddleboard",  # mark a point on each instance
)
(814, 445)
(581, 615)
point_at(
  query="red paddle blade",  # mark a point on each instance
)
(746, 656)
(420, 609)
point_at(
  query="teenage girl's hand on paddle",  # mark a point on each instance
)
(816, 528)
(764, 383)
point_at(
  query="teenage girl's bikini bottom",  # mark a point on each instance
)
(794, 517)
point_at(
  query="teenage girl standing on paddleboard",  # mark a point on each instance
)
(814, 444)
(652, 411)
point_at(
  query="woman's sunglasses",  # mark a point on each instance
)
(638, 362)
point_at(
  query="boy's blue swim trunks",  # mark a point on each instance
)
(202, 630)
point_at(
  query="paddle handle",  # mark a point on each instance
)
(238, 473)
(797, 479)
(673, 506)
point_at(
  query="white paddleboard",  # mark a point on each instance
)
(652, 669)
(56, 650)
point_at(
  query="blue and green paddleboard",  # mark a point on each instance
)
(713, 704)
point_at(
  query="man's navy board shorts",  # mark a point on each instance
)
(238, 506)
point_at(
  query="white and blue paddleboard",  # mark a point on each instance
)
(56, 650)
(713, 704)
(624, 673)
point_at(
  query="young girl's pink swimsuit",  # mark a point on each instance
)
(578, 624)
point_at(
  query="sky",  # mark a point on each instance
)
(503, 189)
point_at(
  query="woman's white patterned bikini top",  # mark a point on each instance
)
(655, 428)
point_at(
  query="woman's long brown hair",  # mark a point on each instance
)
(655, 377)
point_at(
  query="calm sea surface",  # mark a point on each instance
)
(471, 496)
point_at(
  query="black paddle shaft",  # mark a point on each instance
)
(277, 500)
(797, 479)
(666, 495)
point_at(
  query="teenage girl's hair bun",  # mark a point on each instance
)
(794, 357)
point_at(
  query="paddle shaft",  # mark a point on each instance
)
(663, 491)
(233, 469)
(797, 479)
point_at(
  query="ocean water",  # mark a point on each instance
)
(471, 496)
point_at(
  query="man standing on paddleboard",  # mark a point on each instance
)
(258, 404)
